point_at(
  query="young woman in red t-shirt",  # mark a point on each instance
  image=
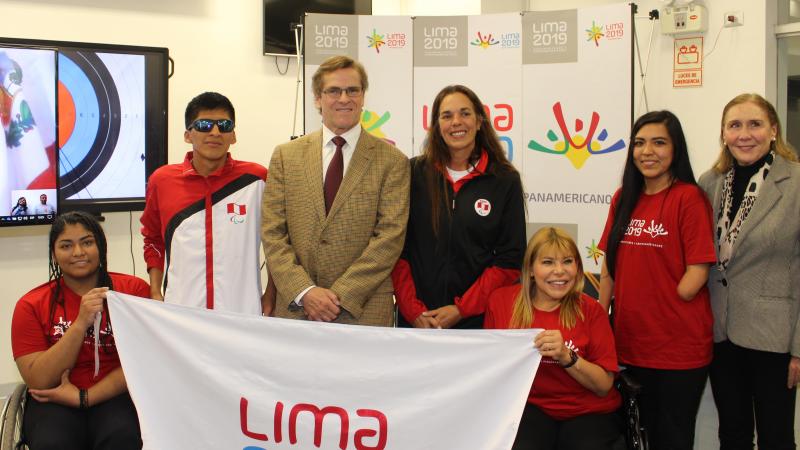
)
(572, 404)
(77, 399)
(659, 245)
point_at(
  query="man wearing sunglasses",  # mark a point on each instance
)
(335, 210)
(202, 217)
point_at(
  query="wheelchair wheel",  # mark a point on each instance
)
(11, 419)
(635, 433)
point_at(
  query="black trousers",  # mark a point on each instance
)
(751, 384)
(538, 431)
(111, 425)
(668, 405)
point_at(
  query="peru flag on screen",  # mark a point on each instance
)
(26, 151)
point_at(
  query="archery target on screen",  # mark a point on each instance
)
(101, 98)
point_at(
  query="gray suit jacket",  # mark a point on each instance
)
(757, 303)
(353, 249)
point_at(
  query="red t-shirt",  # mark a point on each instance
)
(30, 327)
(554, 391)
(653, 326)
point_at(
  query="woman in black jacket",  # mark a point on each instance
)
(466, 228)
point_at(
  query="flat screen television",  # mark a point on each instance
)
(109, 108)
(281, 17)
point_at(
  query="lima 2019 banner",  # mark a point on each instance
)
(556, 86)
(221, 380)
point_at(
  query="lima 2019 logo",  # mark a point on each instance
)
(594, 252)
(595, 33)
(375, 41)
(611, 31)
(507, 40)
(484, 41)
(390, 40)
(577, 147)
(372, 122)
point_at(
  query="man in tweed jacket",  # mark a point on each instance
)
(331, 260)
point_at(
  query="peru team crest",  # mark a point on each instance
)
(483, 207)
(237, 212)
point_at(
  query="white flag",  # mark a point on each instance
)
(222, 380)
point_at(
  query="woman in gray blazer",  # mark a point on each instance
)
(754, 188)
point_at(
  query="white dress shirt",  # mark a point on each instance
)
(328, 149)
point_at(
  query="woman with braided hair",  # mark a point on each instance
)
(78, 398)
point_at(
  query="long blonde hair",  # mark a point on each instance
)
(725, 160)
(547, 239)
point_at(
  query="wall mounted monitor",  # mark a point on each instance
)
(281, 16)
(110, 105)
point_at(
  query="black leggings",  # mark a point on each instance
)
(668, 405)
(750, 384)
(111, 425)
(538, 431)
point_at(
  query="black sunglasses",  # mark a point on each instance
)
(206, 125)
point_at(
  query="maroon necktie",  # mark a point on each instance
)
(333, 177)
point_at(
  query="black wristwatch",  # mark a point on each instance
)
(573, 358)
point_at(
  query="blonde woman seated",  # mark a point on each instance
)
(572, 404)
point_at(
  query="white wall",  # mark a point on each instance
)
(426, 7)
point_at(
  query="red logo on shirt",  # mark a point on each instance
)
(237, 212)
(483, 207)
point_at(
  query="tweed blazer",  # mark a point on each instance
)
(756, 303)
(353, 249)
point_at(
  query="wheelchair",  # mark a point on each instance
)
(11, 419)
(634, 432)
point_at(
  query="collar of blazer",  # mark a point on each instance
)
(768, 196)
(359, 163)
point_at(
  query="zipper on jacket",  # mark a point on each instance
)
(446, 285)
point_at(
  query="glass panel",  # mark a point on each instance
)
(788, 11)
(789, 87)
